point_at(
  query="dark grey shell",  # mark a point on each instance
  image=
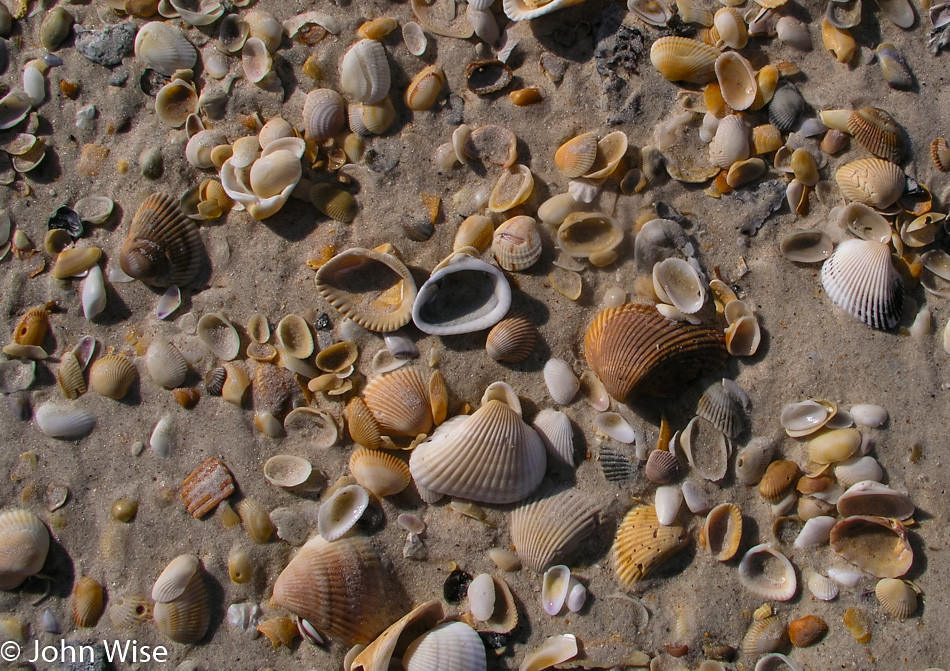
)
(163, 247)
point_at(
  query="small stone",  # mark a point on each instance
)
(92, 159)
(97, 661)
(151, 163)
(454, 110)
(106, 47)
(119, 77)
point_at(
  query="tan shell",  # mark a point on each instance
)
(400, 402)
(722, 531)
(898, 597)
(492, 144)
(683, 59)
(112, 376)
(25, 542)
(877, 545)
(337, 357)
(280, 631)
(662, 467)
(70, 376)
(516, 244)
(362, 425)
(871, 181)
(584, 234)
(75, 261)
(32, 327)
(341, 588)
(514, 186)
(163, 247)
(88, 602)
(635, 351)
(379, 472)
(512, 339)
(240, 568)
(129, 609)
(835, 445)
(545, 531)
(763, 636)
(175, 102)
(876, 131)
(610, 151)
(940, 154)
(206, 487)
(806, 631)
(737, 82)
(576, 156)
(766, 139)
(371, 118)
(394, 641)
(335, 203)
(372, 288)
(255, 520)
(642, 544)
(778, 480)
(475, 231)
(438, 397)
(185, 618)
(424, 89)
(732, 28)
(731, 142)
(294, 336)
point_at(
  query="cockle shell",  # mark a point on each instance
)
(88, 602)
(462, 296)
(166, 365)
(731, 142)
(575, 157)
(722, 531)
(737, 82)
(70, 377)
(778, 480)
(364, 72)
(523, 10)
(112, 376)
(561, 381)
(683, 59)
(512, 339)
(610, 151)
(400, 402)
(821, 587)
(860, 278)
(181, 609)
(324, 114)
(858, 469)
(778, 585)
(786, 107)
(722, 410)
(164, 48)
(763, 636)
(341, 588)
(898, 597)
(873, 498)
(642, 543)
(339, 513)
(64, 421)
(372, 288)
(129, 609)
(163, 246)
(455, 460)
(545, 531)
(876, 131)
(380, 472)
(255, 520)
(516, 244)
(32, 327)
(877, 545)
(453, 646)
(554, 428)
(24, 544)
(424, 89)
(871, 181)
(634, 350)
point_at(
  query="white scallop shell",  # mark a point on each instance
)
(562, 384)
(816, 532)
(93, 293)
(821, 587)
(364, 72)
(678, 283)
(730, 144)
(164, 48)
(340, 512)
(502, 391)
(669, 499)
(555, 430)
(463, 296)
(324, 114)
(872, 498)
(166, 364)
(865, 414)
(453, 646)
(481, 597)
(774, 585)
(614, 426)
(858, 469)
(173, 581)
(860, 278)
(64, 421)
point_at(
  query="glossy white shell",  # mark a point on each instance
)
(555, 586)
(865, 414)
(64, 421)
(465, 295)
(453, 645)
(340, 512)
(669, 499)
(561, 382)
(481, 597)
(816, 532)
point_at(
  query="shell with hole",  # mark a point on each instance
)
(162, 247)
(262, 185)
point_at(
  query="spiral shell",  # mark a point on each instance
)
(163, 247)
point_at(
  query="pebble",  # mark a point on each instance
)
(108, 46)
(119, 77)
(151, 163)
(83, 662)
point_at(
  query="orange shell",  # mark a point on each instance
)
(641, 544)
(806, 631)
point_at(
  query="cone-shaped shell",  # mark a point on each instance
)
(394, 641)
(876, 131)
(379, 472)
(400, 402)
(372, 288)
(88, 602)
(634, 351)
(576, 156)
(112, 376)
(163, 247)
(641, 544)
(877, 545)
(545, 531)
(722, 531)
(898, 597)
(871, 181)
(340, 588)
(860, 278)
(491, 456)
(186, 618)
(453, 646)
(462, 296)
(24, 543)
(680, 59)
(512, 339)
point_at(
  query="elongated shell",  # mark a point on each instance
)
(164, 48)
(873, 498)
(871, 181)
(877, 545)
(64, 421)
(706, 448)
(635, 351)
(776, 584)
(546, 531)
(400, 402)
(364, 72)
(24, 544)
(876, 131)
(88, 602)
(860, 278)
(736, 80)
(70, 377)
(341, 588)
(163, 247)
(683, 59)
(112, 376)
(722, 531)
(463, 296)
(641, 544)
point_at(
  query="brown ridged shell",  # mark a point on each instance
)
(32, 327)
(877, 545)
(186, 618)
(662, 467)
(206, 487)
(163, 247)
(680, 59)
(871, 181)
(112, 376)
(512, 339)
(806, 631)
(88, 602)
(641, 544)
(940, 153)
(778, 480)
(876, 131)
(635, 351)
(70, 377)
(575, 157)
(400, 402)
(545, 531)
(340, 588)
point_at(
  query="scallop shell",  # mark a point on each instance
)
(873, 498)
(163, 246)
(206, 487)
(397, 637)
(174, 579)
(731, 142)
(871, 181)
(164, 48)
(786, 107)
(876, 131)
(736, 80)
(554, 428)
(186, 617)
(634, 350)
(362, 425)
(512, 339)
(722, 410)
(575, 157)
(364, 72)
(778, 480)
(545, 531)
(453, 646)
(88, 602)
(25, 541)
(877, 545)
(32, 327)
(64, 422)
(475, 231)
(324, 114)
(898, 597)
(516, 244)
(339, 513)
(641, 544)
(683, 59)
(335, 203)
(400, 402)
(722, 531)
(371, 119)
(112, 376)
(764, 636)
(381, 473)
(453, 461)
(768, 584)
(584, 234)
(166, 365)
(218, 334)
(662, 467)
(341, 588)
(861, 279)
(372, 288)
(821, 587)
(561, 382)
(70, 377)
(464, 295)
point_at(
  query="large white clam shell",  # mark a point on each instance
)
(860, 278)
(164, 48)
(364, 72)
(547, 530)
(463, 296)
(453, 646)
(340, 512)
(522, 10)
(275, 185)
(778, 583)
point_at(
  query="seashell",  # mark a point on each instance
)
(218, 334)
(794, 33)
(765, 635)
(697, 497)
(778, 585)
(575, 157)
(615, 427)
(175, 102)
(610, 151)
(722, 531)
(778, 480)
(70, 377)
(511, 340)
(280, 631)
(858, 469)
(339, 513)
(857, 624)
(515, 470)
(662, 467)
(766, 139)
(240, 568)
(32, 327)
(815, 532)
(676, 281)
(652, 12)
(75, 261)
(25, 541)
(809, 246)
(555, 585)
(400, 402)
(372, 288)
(381, 473)
(898, 11)
(513, 187)
(546, 531)
(206, 487)
(481, 597)
(94, 210)
(490, 143)
(873, 498)
(861, 279)
(414, 38)
(871, 181)
(845, 14)
(475, 231)
(163, 247)
(877, 545)
(785, 107)
(294, 336)
(806, 417)
(821, 587)
(165, 364)
(722, 410)
(731, 142)
(668, 501)
(324, 114)
(453, 646)
(898, 597)
(706, 448)
(264, 27)
(940, 154)
(561, 382)
(424, 89)
(274, 170)
(64, 422)
(483, 77)
(232, 33)
(683, 59)
(112, 376)
(616, 466)
(642, 543)
(394, 641)
(554, 428)
(185, 619)
(164, 48)
(835, 445)
(463, 296)
(88, 602)
(262, 183)
(736, 81)
(364, 72)
(127, 610)
(215, 380)
(335, 203)
(554, 650)
(583, 234)
(876, 131)
(341, 588)
(362, 425)
(173, 582)
(201, 145)
(732, 29)
(255, 520)
(623, 347)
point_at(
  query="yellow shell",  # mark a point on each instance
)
(778, 480)
(722, 531)
(425, 87)
(766, 139)
(256, 521)
(163, 247)
(871, 181)
(88, 602)
(112, 376)
(400, 402)
(838, 41)
(876, 131)
(362, 425)
(642, 544)
(337, 357)
(737, 81)
(377, 29)
(240, 567)
(682, 59)
(857, 623)
(610, 151)
(74, 261)
(24, 541)
(475, 231)
(576, 156)
(380, 472)
(513, 187)
(833, 446)
(32, 327)
(438, 397)
(335, 203)
(70, 377)
(280, 631)
(898, 597)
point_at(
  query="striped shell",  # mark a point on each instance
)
(512, 339)
(940, 154)
(24, 544)
(88, 602)
(898, 597)
(731, 142)
(164, 48)
(876, 131)
(576, 156)
(425, 87)
(763, 636)
(372, 288)
(129, 609)
(70, 377)
(821, 587)
(662, 467)
(806, 631)
(720, 408)
(545, 531)
(860, 278)
(380, 472)
(364, 72)
(362, 425)
(682, 59)
(324, 114)
(206, 487)
(32, 327)
(112, 376)
(453, 646)
(341, 588)
(636, 351)
(391, 643)
(871, 181)
(462, 295)
(163, 247)
(877, 545)
(186, 618)
(778, 480)
(641, 544)
(166, 365)
(556, 432)
(400, 402)
(516, 244)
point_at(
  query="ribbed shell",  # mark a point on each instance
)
(453, 646)
(32, 327)
(576, 156)
(940, 154)
(400, 402)
(164, 48)
(373, 289)
(163, 247)
(186, 618)
(877, 545)
(88, 602)
(70, 377)
(785, 107)
(335, 203)
(129, 609)
(206, 487)
(555, 430)
(779, 478)
(898, 597)
(731, 142)
(876, 131)
(821, 587)
(683, 59)
(175, 578)
(324, 114)
(806, 631)
(662, 467)
(362, 425)
(634, 351)
(642, 544)
(425, 87)
(722, 410)
(24, 543)
(512, 339)
(166, 365)
(722, 531)
(112, 376)
(860, 278)
(379, 472)
(871, 181)
(339, 587)
(545, 531)
(765, 635)
(615, 464)
(397, 637)
(516, 244)
(364, 72)
(490, 457)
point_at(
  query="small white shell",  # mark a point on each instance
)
(697, 497)
(677, 282)
(778, 586)
(561, 381)
(34, 83)
(285, 470)
(364, 72)
(93, 293)
(816, 532)
(821, 587)
(200, 145)
(556, 432)
(577, 596)
(256, 60)
(845, 576)
(219, 335)
(414, 38)
(858, 469)
(614, 426)
(865, 414)
(554, 588)
(64, 421)
(669, 499)
(162, 440)
(340, 512)
(166, 364)
(481, 597)
(805, 417)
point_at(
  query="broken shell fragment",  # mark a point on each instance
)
(877, 545)
(206, 487)
(642, 543)
(722, 531)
